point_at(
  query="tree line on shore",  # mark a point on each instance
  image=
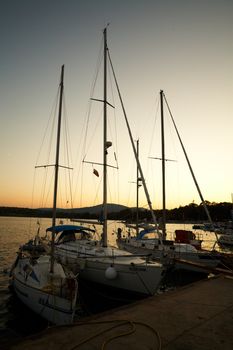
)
(191, 212)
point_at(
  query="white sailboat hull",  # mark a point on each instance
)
(138, 279)
(54, 309)
(167, 255)
(205, 261)
(48, 300)
(120, 271)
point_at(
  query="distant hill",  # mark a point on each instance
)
(111, 208)
(96, 209)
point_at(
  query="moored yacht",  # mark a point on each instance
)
(39, 281)
(96, 261)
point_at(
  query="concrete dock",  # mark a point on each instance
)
(197, 316)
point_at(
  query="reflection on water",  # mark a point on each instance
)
(15, 319)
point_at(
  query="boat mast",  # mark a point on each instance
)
(191, 171)
(232, 207)
(137, 192)
(56, 169)
(105, 240)
(163, 166)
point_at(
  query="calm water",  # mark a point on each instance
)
(16, 320)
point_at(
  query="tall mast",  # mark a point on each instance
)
(232, 207)
(191, 171)
(105, 144)
(137, 184)
(56, 168)
(163, 166)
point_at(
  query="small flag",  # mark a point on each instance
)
(95, 172)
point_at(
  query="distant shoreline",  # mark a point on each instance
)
(192, 212)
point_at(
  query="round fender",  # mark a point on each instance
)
(111, 273)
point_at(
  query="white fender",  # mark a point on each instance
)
(110, 273)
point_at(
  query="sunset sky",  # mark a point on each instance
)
(183, 47)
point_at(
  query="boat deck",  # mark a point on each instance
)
(197, 316)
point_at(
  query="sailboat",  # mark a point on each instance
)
(38, 280)
(95, 260)
(226, 231)
(188, 256)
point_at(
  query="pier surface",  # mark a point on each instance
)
(198, 316)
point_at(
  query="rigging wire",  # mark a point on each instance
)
(46, 183)
(50, 123)
(85, 128)
(115, 136)
(32, 201)
(67, 154)
(154, 124)
(99, 61)
(51, 120)
(86, 146)
(98, 189)
(135, 153)
(153, 176)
